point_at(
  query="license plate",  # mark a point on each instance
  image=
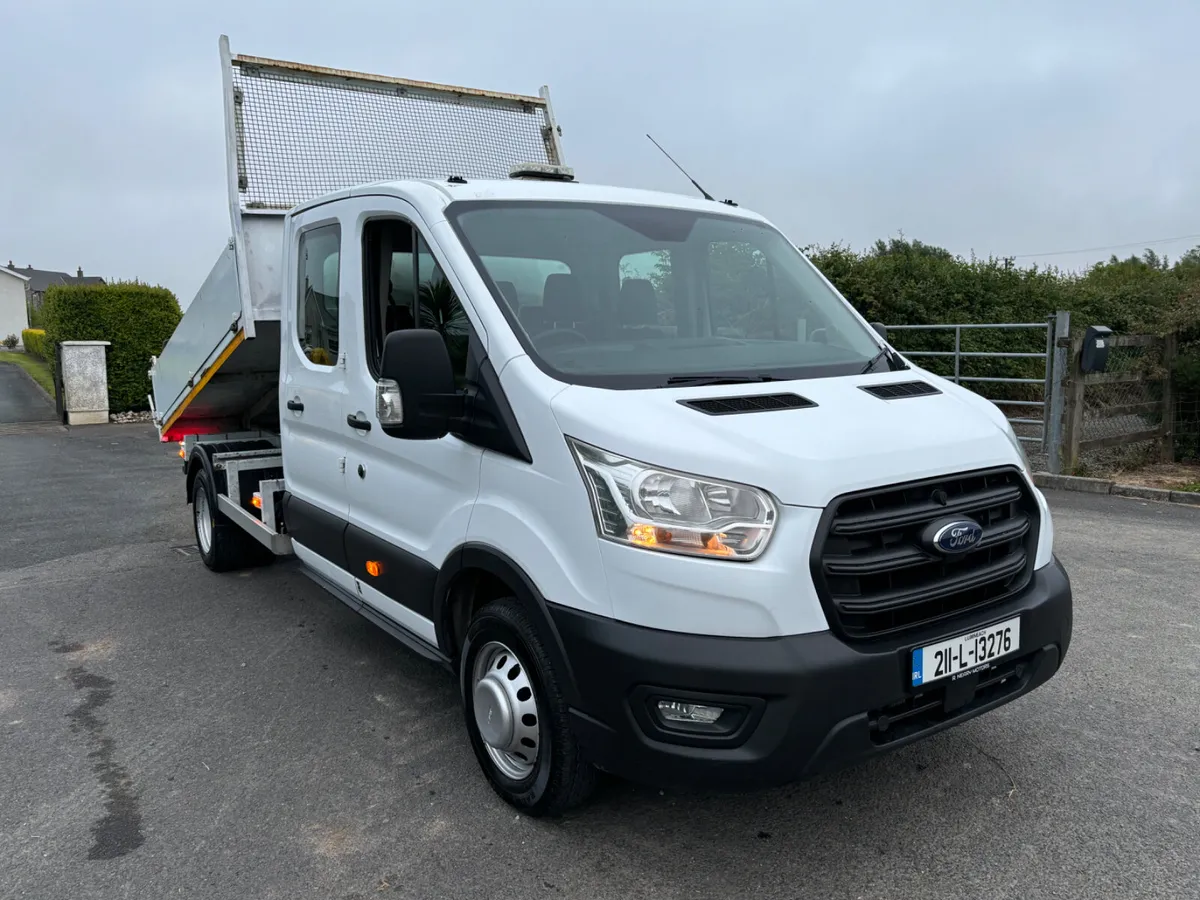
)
(966, 653)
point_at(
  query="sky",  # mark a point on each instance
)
(999, 128)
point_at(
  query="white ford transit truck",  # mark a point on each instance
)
(624, 462)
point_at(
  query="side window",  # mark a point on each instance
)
(440, 308)
(646, 290)
(400, 306)
(405, 287)
(742, 293)
(318, 302)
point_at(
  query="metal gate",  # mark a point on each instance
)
(1044, 431)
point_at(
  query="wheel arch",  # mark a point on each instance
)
(201, 459)
(198, 462)
(475, 574)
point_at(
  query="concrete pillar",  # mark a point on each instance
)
(85, 382)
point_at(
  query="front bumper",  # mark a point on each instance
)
(814, 703)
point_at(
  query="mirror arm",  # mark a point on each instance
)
(452, 406)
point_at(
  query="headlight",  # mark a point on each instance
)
(1020, 448)
(657, 509)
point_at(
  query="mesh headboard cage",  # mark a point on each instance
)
(302, 131)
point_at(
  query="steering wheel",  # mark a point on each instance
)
(559, 336)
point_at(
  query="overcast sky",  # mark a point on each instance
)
(1007, 128)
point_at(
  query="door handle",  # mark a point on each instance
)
(295, 406)
(355, 422)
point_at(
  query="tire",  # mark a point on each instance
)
(223, 546)
(502, 654)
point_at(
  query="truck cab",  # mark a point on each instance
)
(630, 467)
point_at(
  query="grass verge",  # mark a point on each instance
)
(34, 366)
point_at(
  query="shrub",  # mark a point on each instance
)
(10, 342)
(34, 340)
(135, 318)
(906, 282)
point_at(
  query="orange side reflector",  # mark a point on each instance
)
(256, 500)
(182, 452)
(374, 568)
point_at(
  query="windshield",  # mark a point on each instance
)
(643, 296)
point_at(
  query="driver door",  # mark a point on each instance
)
(409, 501)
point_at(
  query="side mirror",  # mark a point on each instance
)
(416, 397)
(880, 329)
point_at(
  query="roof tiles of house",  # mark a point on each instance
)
(40, 279)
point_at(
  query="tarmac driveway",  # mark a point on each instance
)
(168, 732)
(21, 400)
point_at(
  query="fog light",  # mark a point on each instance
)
(683, 713)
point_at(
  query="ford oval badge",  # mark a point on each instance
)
(952, 536)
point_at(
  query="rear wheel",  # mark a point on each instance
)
(223, 545)
(516, 715)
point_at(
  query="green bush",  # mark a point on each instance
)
(905, 282)
(135, 318)
(10, 341)
(34, 340)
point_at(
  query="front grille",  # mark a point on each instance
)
(876, 575)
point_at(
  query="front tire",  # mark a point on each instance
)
(516, 715)
(223, 546)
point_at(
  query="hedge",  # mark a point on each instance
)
(135, 318)
(34, 340)
(906, 282)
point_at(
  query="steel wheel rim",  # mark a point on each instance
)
(505, 707)
(203, 522)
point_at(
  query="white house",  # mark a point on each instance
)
(14, 316)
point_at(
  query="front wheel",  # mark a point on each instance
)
(516, 715)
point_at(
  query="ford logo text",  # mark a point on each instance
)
(958, 536)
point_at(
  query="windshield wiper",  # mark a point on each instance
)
(708, 380)
(895, 363)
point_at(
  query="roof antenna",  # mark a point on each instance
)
(703, 192)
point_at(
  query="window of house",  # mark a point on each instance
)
(405, 287)
(318, 302)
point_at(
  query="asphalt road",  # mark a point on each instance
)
(167, 732)
(21, 400)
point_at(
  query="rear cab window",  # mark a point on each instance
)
(318, 301)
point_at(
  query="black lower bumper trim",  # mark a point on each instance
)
(824, 704)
